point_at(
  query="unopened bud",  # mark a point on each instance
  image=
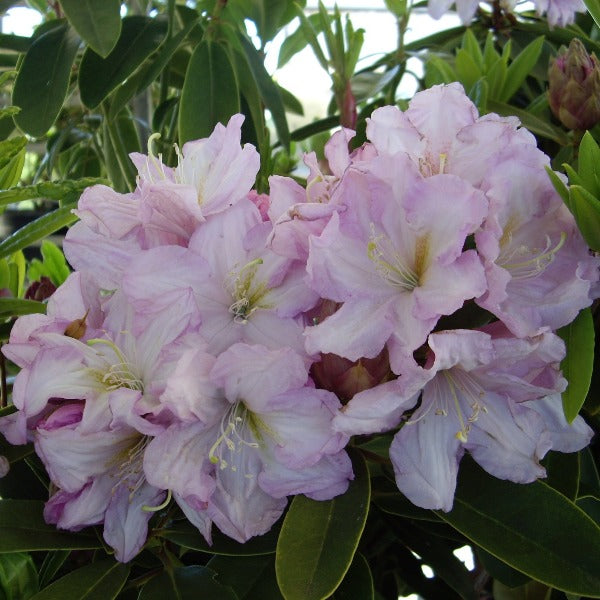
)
(574, 87)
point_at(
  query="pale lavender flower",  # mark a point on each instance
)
(272, 438)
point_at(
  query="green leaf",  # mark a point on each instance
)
(520, 68)
(297, 41)
(562, 470)
(15, 307)
(18, 576)
(66, 191)
(98, 77)
(398, 504)
(102, 580)
(534, 124)
(98, 22)
(500, 570)
(532, 528)
(250, 577)
(290, 102)
(467, 69)
(23, 529)
(210, 84)
(53, 561)
(37, 230)
(268, 89)
(185, 534)
(319, 538)
(315, 127)
(589, 157)
(358, 582)
(184, 583)
(479, 95)
(561, 189)
(471, 47)
(43, 80)
(594, 7)
(578, 364)
(586, 210)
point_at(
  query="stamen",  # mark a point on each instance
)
(534, 266)
(164, 504)
(388, 262)
(247, 297)
(119, 374)
(157, 163)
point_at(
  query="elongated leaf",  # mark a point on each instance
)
(578, 364)
(471, 45)
(594, 7)
(532, 528)
(37, 230)
(15, 307)
(315, 127)
(66, 191)
(500, 570)
(358, 582)
(18, 576)
(98, 77)
(586, 210)
(53, 561)
(269, 90)
(247, 575)
(102, 580)
(297, 41)
(43, 79)
(16, 43)
(561, 189)
(520, 68)
(186, 583)
(318, 539)
(185, 534)
(589, 159)
(534, 124)
(210, 93)
(98, 22)
(22, 529)
(467, 69)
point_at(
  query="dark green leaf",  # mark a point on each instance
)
(53, 561)
(37, 230)
(532, 528)
(358, 582)
(500, 570)
(578, 364)
(291, 103)
(43, 79)
(102, 580)
(98, 22)
(269, 91)
(318, 539)
(185, 583)
(586, 210)
(296, 41)
(250, 577)
(18, 576)
(520, 68)
(315, 127)
(398, 504)
(185, 534)
(563, 472)
(591, 505)
(65, 191)
(15, 307)
(210, 92)
(594, 7)
(17, 43)
(120, 139)
(22, 529)
(98, 77)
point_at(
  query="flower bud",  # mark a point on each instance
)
(40, 290)
(574, 87)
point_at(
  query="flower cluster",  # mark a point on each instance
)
(558, 12)
(203, 347)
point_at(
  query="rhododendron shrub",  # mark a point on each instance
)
(216, 350)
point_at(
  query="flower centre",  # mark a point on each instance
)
(392, 266)
(429, 167)
(119, 373)
(247, 294)
(128, 468)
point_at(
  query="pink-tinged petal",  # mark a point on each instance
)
(509, 440)
(267, 329)
(358, 328)
(106, 258)
(221, 171)
(439, 113)
(322, 481)
(178, 460)
(126, 412)
(301, 424)
(565, 437)
(336, 151)
(159, 277)
(391, 131)
(72, 458)
(339, 266)
(438, 8)
(126, 521)
(469, 349)
(444, 288)
(14, 428)
(107, 212)
(238, 506)
(197, 514)
(425, 454)
(255, 374)
(284, 193)
(150, 168)
(170, 213)
(381, 407)
(75, 510)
